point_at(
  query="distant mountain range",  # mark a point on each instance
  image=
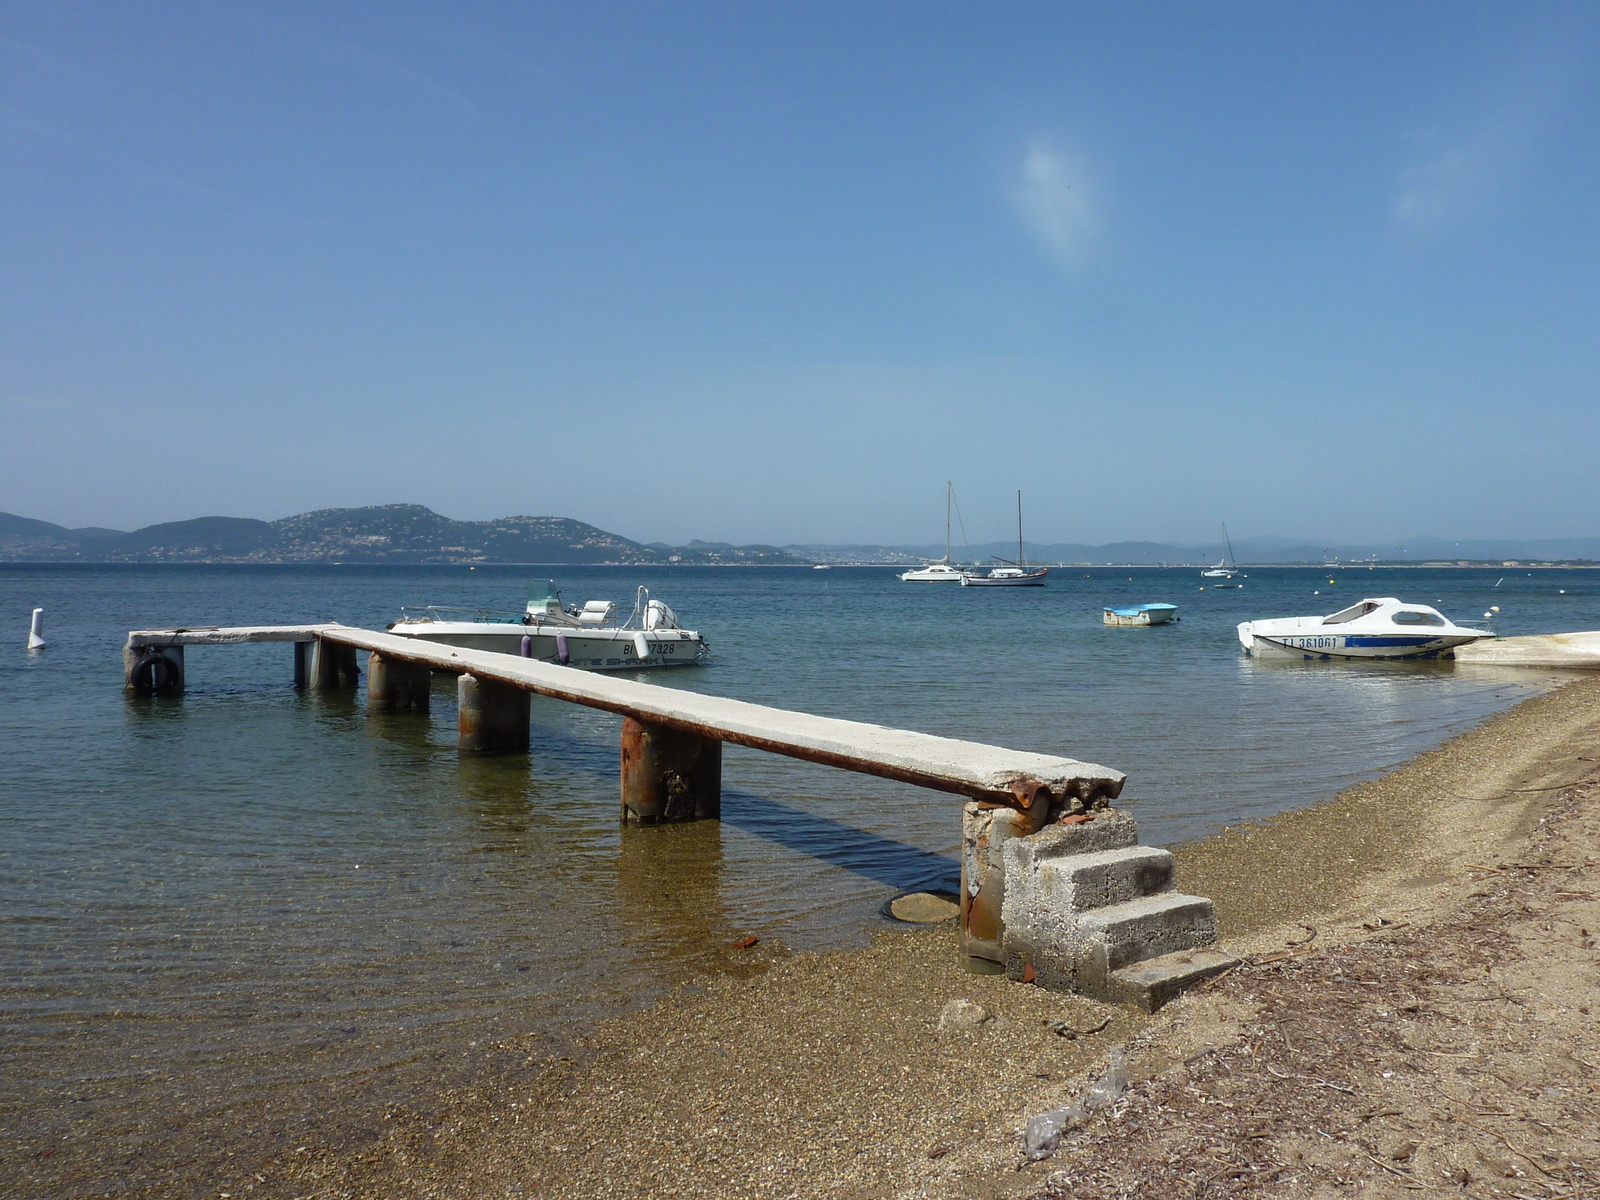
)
(388, 533)
(410, 533)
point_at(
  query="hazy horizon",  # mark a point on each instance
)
(774, 274)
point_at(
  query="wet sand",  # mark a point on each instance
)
(827, 1075)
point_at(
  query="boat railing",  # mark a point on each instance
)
(641, 601)
(444, 612)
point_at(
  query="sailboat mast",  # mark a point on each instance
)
(948, 484)
(1019, 528)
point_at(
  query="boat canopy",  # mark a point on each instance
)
(1357, 610)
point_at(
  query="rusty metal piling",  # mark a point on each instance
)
(669, 774)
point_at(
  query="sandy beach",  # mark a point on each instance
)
(1414, 1016)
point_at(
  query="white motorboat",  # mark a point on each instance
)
(590, 637)
(937, 570)
(1013, 574)
(1227, 567)
(1141, 614)
(1382, 627)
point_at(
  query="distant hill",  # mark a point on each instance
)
(388, 533)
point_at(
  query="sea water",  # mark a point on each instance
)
(251, 914)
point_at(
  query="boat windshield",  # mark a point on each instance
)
(1415, 616)
(541, 590)
(1351, 613)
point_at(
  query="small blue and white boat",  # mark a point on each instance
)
(1141, 614)
(1377, 628)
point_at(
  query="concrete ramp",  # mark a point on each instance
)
(1580, 651)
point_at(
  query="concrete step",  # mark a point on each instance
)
(1153, 982)
(1135, 931)
(1087, 881)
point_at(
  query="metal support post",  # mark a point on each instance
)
(669, 774)
(494, 716)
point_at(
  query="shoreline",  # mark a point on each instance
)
(826, 1074)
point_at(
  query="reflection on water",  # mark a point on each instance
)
(255, 894)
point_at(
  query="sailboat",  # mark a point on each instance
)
(1012, 574)
(937, 570)
(1226, 567)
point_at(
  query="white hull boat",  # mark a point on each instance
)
(933, 573)
(589, 637)
(939, 570)
(1226, 567)
(1377, 628)
(1142, 614)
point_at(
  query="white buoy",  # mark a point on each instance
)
(641, 646)
(36, 630)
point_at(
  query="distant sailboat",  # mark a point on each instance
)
(937, 570)
(1013, 574)
(1226, 567)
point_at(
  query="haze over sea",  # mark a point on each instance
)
(253, 894)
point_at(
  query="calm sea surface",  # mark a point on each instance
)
(251, 900)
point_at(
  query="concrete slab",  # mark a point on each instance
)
(1152, 983)
(1577, 651)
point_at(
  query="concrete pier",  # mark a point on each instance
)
(1570, 651)
(334, 666)
(395, 686)
(1054, 886)
(985, 830)
(494, 716)
(669, 774)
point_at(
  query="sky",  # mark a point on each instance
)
(774, 273)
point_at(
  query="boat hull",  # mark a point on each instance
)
(586, 649)
(1353, 646)
(1031, 579)
(1144, 614)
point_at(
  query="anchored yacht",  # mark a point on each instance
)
(590, 637)
(937, 570)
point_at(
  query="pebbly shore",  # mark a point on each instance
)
(829, 1074)
(816, 1075)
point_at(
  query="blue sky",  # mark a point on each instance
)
(776, 272)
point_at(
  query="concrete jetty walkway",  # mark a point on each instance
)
(1580, 651)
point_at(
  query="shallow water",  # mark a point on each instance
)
(251, 891)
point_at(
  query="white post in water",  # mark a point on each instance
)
(36, 630)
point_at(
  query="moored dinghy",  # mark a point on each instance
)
(1376, 628)
(1141, 614)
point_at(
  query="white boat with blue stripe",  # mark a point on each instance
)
(1377, 628)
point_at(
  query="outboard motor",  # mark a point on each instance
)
(658, 616)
